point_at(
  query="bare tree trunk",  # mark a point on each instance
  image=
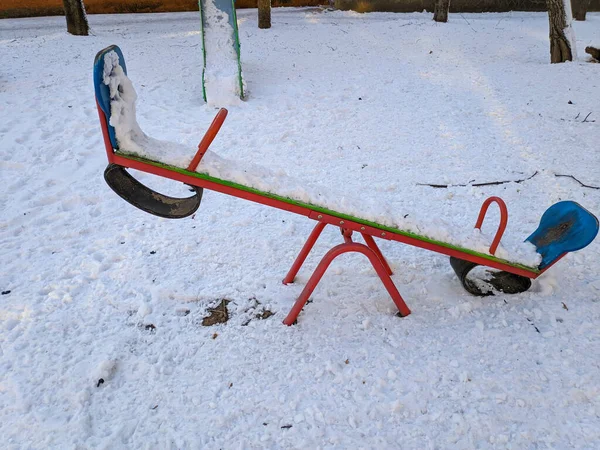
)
(580, 8)
(77, 23)
(264, 13)
(440, 10)
(561, 47)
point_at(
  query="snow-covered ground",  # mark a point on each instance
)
(375, 105)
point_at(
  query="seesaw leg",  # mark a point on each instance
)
(308, 245)
(373, 246)
(324, 264)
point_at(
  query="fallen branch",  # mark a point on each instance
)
(503, 182)
(586, 117)
(582, 184)
(490, 183)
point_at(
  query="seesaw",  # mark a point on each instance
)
(564, 227)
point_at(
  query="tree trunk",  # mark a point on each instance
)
(561, 47)
(580, 8)
(264, 13)
(440, 10)
(77, 23)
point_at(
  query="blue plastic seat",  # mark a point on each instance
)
(565, 227)
(102, 90)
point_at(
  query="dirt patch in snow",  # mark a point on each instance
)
(218, 314)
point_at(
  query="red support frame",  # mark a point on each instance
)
(375, 257)
(373, 246)
(308, 245)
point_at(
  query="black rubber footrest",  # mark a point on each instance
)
(502, 281)
(144, 198)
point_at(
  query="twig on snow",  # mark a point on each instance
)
(489, 183)
(582, 184)
(585, 120)
(468, 23)
(503, 182)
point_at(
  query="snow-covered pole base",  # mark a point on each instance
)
(222, 80)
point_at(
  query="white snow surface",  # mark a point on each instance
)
(373, 105)
(132, 140)
(221, 75)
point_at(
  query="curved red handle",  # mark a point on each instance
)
(209, 136)
(503, 220)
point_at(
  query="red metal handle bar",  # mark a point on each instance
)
(503, 220)
(209, 136)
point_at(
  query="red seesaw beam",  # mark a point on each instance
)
(306, 211)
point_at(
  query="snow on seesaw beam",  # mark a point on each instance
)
(132, 140)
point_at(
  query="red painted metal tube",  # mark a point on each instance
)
(347, 235)
(324, 264)
(312, 239)
(503, 220)
(373, 246)
(209, 136)
(104, 126)
(308, 245)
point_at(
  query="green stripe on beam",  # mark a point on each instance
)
(326, 211)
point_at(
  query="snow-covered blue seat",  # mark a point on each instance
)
(565, 227)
